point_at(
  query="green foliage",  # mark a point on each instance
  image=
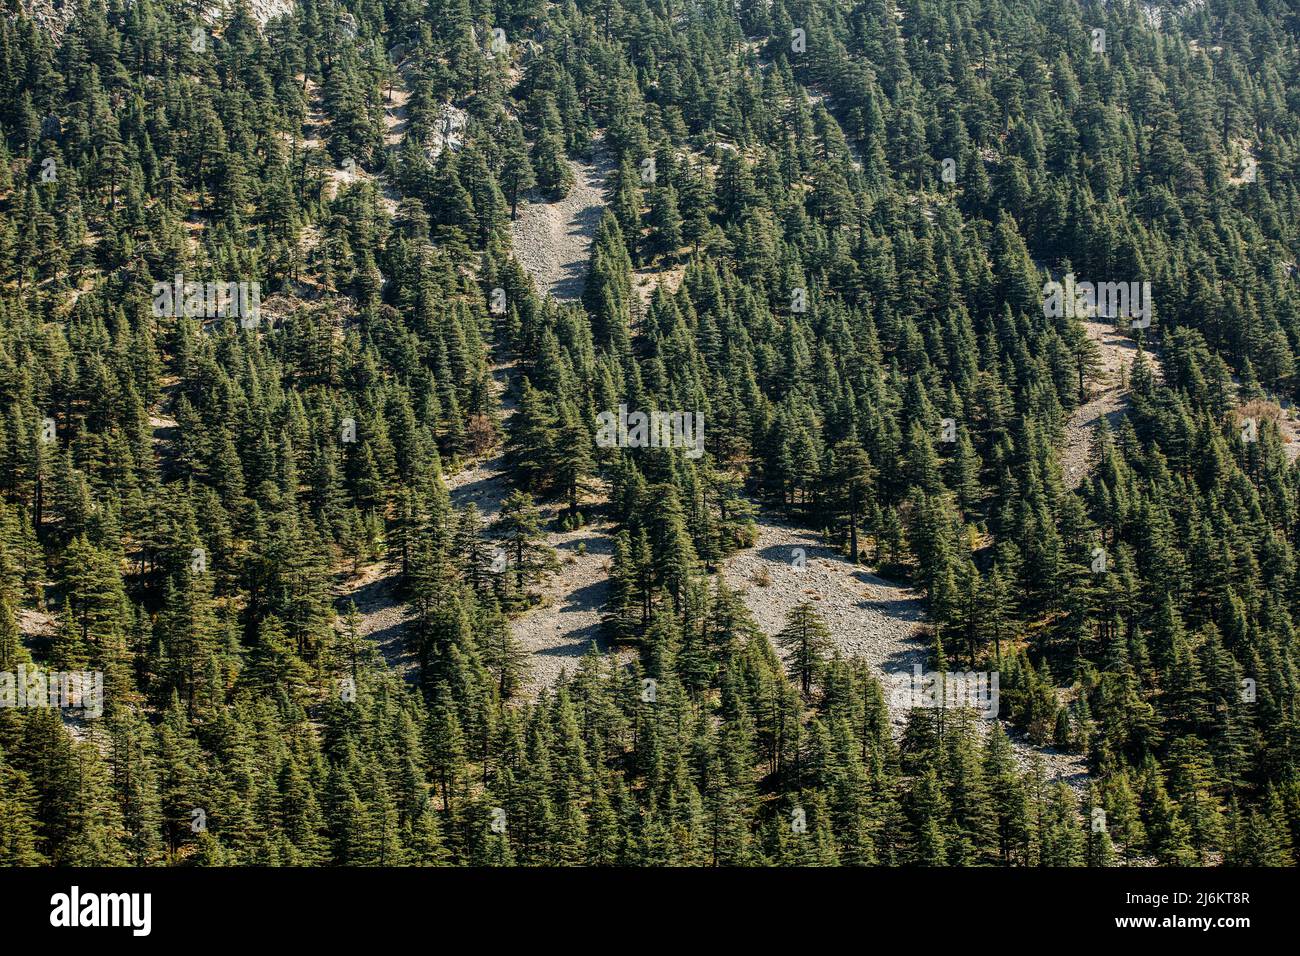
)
(798, 274)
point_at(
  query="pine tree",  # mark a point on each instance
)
(520, 527)
(852, 477)
(516, 173)
(806, 640)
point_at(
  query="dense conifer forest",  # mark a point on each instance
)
(829, 228)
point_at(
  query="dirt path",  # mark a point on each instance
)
(552, 241)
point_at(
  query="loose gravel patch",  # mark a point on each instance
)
(1111, 402)
(868, 616)
(552, 240)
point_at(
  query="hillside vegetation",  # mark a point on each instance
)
(365, 582)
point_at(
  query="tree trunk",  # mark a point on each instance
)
(853, 525)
